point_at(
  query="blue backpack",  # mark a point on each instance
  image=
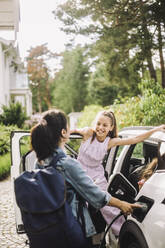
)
(41, 197)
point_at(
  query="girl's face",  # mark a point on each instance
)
(103, 126)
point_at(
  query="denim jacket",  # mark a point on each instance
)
(81, 183)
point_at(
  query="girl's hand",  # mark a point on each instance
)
(160, 128)
(86, 132)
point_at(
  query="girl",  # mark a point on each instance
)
(95, 144)
(48, 139)
(156, 163)
(147, 173)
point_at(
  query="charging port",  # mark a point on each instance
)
(146, 204)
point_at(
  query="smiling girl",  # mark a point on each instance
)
(96, 142)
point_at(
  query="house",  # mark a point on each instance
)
(14, 85)
(73, 119)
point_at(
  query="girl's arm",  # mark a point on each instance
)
(86, 132)
(136, 139)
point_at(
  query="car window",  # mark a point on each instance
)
(24, 145)
(115, 154)
(137, 157)
(28, 157)
(74, 144)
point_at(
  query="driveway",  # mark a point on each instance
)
(8, 236)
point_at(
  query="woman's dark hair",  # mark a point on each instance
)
(45, 136)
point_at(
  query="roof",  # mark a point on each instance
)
(136, 130)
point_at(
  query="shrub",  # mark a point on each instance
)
(5, 138)
(88, 115)
(128, 113)
(152, 104)
(13, 115)
(5, 164)
(145, 110)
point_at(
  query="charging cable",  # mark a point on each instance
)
(102, 241)
(143, 209)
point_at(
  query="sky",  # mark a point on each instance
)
(38, 26)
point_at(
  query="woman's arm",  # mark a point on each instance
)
(136, 139)
(84, 185)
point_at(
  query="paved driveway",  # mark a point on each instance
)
(8, 236)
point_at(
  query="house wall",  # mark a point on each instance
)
(13, 84)
(73, 118)
(4, 78)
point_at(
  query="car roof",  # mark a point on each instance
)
(158, 136)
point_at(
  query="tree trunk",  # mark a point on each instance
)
(151, 66)
(161, 55)
(47, 99)
(147, 49)
(39, 100)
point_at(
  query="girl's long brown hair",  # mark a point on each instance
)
(111, 116)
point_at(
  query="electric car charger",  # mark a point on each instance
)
(140, 213)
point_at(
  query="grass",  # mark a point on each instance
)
(5, 164)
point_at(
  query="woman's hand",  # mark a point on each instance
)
(125, 207)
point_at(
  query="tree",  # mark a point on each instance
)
(100, 91)
(39, 75)
(71, 81)
(128, 34)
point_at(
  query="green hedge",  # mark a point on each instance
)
(5, 164)
(147, 109)
(5, 132)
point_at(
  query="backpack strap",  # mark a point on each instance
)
(80, 212)
(55, 159)
(23, 160)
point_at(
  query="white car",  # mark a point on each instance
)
(145, 228)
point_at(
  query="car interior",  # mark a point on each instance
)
(138, 156)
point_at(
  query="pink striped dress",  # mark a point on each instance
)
(90, 156)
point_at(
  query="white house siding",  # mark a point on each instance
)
(13, 83)
(73, 118)
(4, 78)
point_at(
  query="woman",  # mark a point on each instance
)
(48, 139)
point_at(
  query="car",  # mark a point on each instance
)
(142, 229)
(145, 227)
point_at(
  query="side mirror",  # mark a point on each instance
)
(122, 189)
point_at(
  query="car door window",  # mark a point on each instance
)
(137, 157)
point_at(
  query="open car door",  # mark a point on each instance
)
(23, 159)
